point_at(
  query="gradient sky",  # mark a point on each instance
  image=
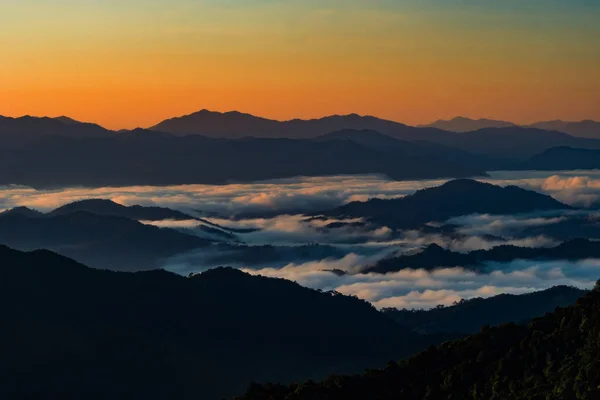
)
(133, 63)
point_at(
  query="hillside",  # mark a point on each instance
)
(101, 241)
(554, 357)
(564, 158)
(152, 158)
(75, 332)
(454, 198)
(468, 316)
(433, 256)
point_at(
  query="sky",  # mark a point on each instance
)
(134, 63)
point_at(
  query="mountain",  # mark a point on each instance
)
(154, 158)
(142, 213)
(587, 128)
(108, 207)
(468, 316)
(514, 143)
(461, 124)
(236, 125)
(433, 256)
(438, 204)
(23, 211)
(101, 241)
(553, 357)
(23, 130)
(562, 158)
(75, 332)
(497, 139)
(418, 151)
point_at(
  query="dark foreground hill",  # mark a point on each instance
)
(434, 256)
(468, 316)
(553, 358)
(70, 332)
(455, 198)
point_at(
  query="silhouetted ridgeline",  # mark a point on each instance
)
(153, 158)
(461, 124)
(48, 152)
(468, 316)
(74, 332)
(554, 357)
(452, 199)
(433, 256)
(102, 241)
(564, 158)
(586, 129)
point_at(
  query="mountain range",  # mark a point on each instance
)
(43, 152)
(468, 316)
(75, 332)
(434, 256)
(553, 357)
(585, 129)
(438, 204)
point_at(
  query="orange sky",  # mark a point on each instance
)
(134, 64)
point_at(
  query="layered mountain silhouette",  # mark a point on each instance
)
(462, 124)
(101, 241)
(484, 137)
(434, 256)
(236, 125)
(553, 357)
(514, 143)
(468, 316)
(75, 332)
(564, 158)
(23, 130)
(154, 158)
(587, 128)
(438, 204)
(217, 148)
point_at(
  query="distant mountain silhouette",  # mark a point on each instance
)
(560, 158)
(468, 316)
(493, 138)
(74, 332)
(454, 198)
(587, 129)
(553, 357)
(462, 124)
(433, 256)
(108, 207)
(101, 241)
(23, 130)
(140, 213)
(425, 151)
(235, 125)
(155, 158)
(22, 211)
(514, 143)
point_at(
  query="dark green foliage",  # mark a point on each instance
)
(73, 332)
(555, 357)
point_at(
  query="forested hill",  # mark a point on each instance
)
(555, 357)
(71, 332)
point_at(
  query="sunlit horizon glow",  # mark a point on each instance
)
(135, 63)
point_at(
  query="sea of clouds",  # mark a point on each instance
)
(272, 212)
